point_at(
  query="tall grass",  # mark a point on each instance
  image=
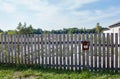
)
(38, 72)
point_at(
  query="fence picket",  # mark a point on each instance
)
(31, 47)
(46, 50)
(75, 51)
(91, 51)
(95, 51)
(108, 51)
(83, 53)
(53, 62)
(79, 38)
(87, 52)
(39, 49)
(64, 52)
(68, 61)
(116, 52)
(104, 52)
(60, 48)
(2, 54)
(71, 51)
(42, 49)
(21, 40)
(18, 49)
(56, 51)
(28, 47)
(112, 51)
(99, 49)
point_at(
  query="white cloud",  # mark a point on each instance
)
(72, 4)
(7, 7)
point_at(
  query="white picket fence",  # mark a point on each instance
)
(62, 51)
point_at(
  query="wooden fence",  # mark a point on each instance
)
(62, 51)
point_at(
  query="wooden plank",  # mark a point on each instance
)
(8, 49)
(15, 56)
(32, 53)
(119, 49)
(46, 50)
(60, 39)
(5, 60)
(104, 55)
(11, 49)
(56, 51)
(9, 52)
(0, 49)
(95, 51)
(53, 62)
(83, 53)
(75, 51)
(87, 52)
(2, 55)
(22, 57)
(99, 39)
(64, 52)
(49, 56)
(28, 43)
(108, 52)
(25, 54)
(68, 62)
(79, 37)
(18, 50)
(91, 51)
(116, 52)
(71, 51)
(39, 49)
(42, 49)
(112, 51)
(33, 40)
(35, 52)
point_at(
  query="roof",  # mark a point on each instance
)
(115, 25)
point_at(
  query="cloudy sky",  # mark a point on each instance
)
(58, 14)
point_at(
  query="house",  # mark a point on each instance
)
(114, 28)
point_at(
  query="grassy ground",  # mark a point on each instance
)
(35, 72)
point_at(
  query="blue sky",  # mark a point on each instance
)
(58, 14)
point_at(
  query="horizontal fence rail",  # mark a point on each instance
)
(62, 51)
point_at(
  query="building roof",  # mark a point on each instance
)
(115, 25)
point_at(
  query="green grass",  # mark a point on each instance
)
(36, 72)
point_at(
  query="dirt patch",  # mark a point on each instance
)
(18, 75)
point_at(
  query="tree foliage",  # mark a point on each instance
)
(23, 29)
(98, 28)
(28, 29)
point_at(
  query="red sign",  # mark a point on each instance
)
(85, 45)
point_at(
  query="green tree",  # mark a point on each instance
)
(71, 31)
(23, 29)
(98, 28)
